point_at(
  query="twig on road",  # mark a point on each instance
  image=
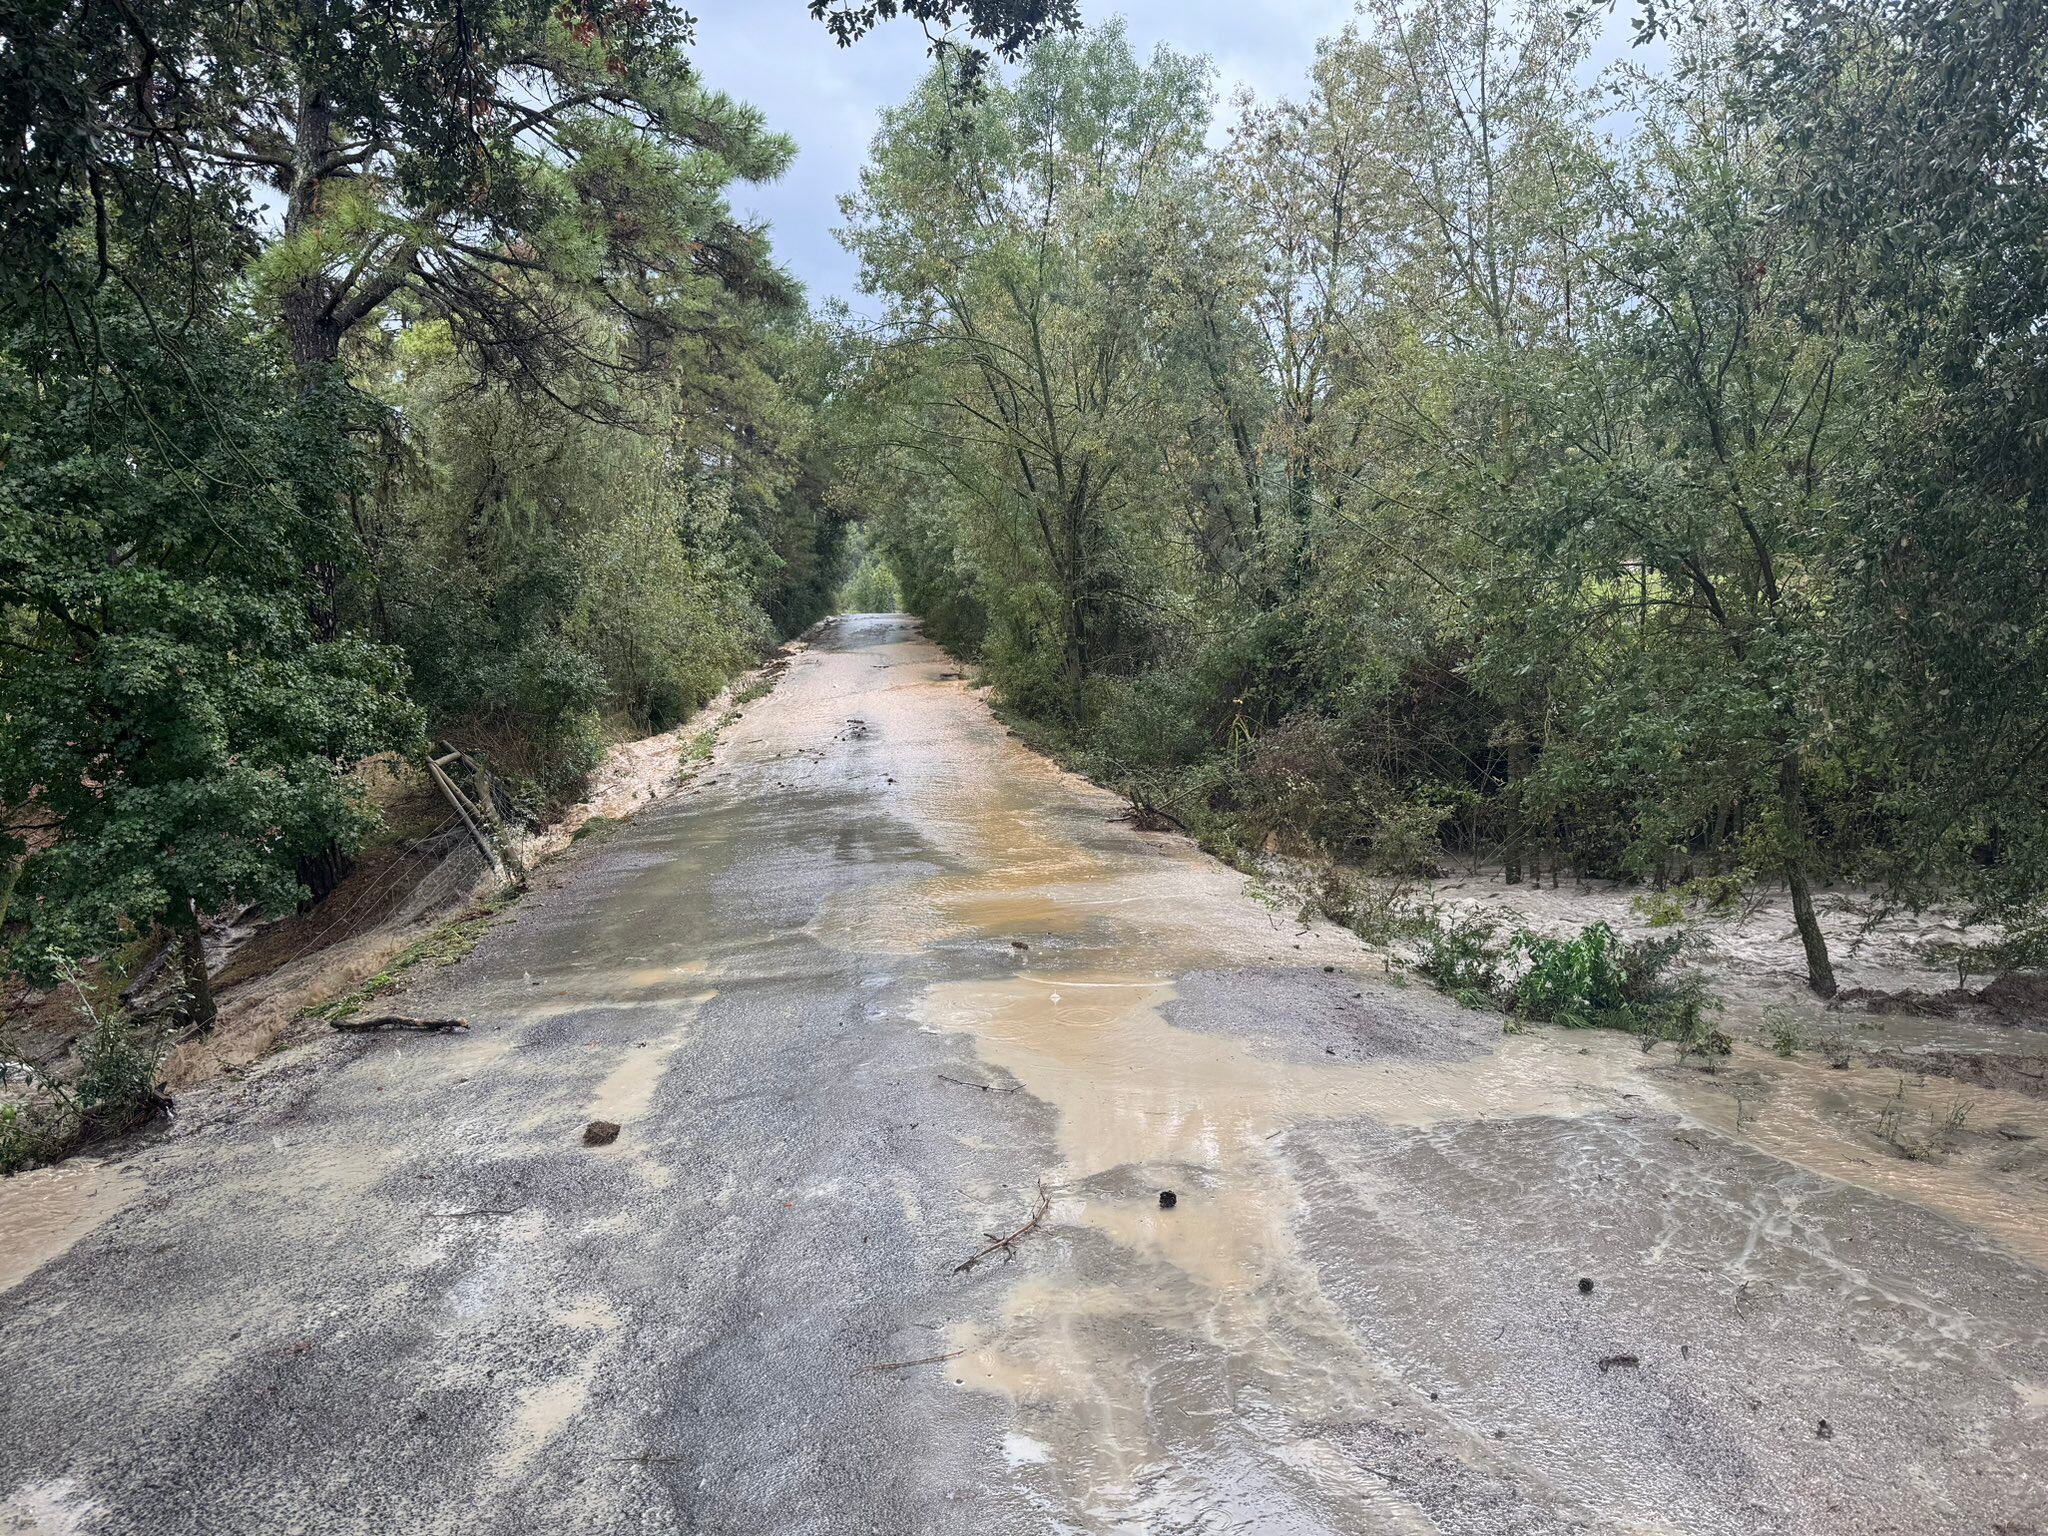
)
(397, 1021)
(481, 1210)
(961, 1082)
(1006, 1245)
(901, 1365)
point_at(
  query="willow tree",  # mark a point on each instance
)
(1944, 612)
(1684, 539)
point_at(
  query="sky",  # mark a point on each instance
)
(772, 54)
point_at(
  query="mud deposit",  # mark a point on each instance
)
(857, 994)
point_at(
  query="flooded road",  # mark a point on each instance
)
(873, 992)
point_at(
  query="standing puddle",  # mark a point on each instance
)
(44, 1212)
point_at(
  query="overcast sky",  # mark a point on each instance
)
(770, 53)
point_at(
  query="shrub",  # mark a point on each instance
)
(870, 586)
(112, 1088)
(1409, 837)
(1594, 980)
(1575, 982)
(1460, 954)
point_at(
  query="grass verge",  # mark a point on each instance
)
(442, 946)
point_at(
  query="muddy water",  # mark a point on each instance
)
(44, 1212)
(547, 1410)
(627, 1091)
(1362, 1315)
(1144, 1106)
(1161, 1364)
(1927, 1140)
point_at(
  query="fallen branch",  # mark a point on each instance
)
(1007, 1245)
(398, 1021)
(1142, 816)
(903, 1365)
(961, 1082)
(1609, 1362)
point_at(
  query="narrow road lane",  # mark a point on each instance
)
(856, 997)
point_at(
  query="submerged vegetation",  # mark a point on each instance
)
(111, 1083)
(1596, 979)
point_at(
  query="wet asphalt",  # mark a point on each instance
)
(382, 1286)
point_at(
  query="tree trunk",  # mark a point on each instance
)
(1820, 970)
(307, 306)
(1079, 576)
(199, 1008)
(9, 881)
(1301, 490)
(1511, 843)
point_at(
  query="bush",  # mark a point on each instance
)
(1574, 982)
(1596, 980)
(112, 1088)
(871, 585)
(1599, 981)
(1150, 722)
(1409, 838)
(1460, 955)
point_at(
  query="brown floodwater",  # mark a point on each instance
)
(45, 1211)
(1096, 1350)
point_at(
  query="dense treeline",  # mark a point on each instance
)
(1641, 476)
(368, 373)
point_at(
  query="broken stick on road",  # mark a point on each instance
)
(1006, 1245)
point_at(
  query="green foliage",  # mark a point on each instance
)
(1419, 472)
(553, 579)
(366, 368)
(1592, 980)
(176, 722)
(491, 165)
(1463, 956)
(755, 688)
(110, 1085)
(871, 585)
(1575, 982)
(1597, 980)
(1004, 27)
(1782, 1026)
